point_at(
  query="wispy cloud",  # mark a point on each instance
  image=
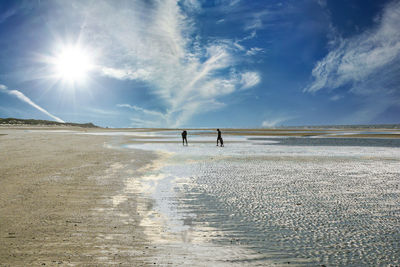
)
(255, 24)
(137, 122)
(356, 59)
(9, 13)
(276, 121)
(254, 51)
(249, 79)
(228, 3)
(336, 97)
(322, 3)
(257, 20)
(367, 65)
(102, 112)
(234, 2)
(125, 74)
(27, 100)
(145, 111)
(157, 42)
(13, 8)
(192, 5)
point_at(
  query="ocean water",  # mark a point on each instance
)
(276, 201)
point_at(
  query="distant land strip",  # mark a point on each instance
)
(279, 131)
(14, 121)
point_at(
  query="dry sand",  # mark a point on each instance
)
(56, 201)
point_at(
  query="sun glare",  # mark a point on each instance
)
(72, 64)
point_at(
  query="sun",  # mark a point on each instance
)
(72, 64)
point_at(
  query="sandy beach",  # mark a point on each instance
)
(74, 196)
(56, 204)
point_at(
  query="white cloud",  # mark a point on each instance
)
(27, 100)
(256, 21)
(125, 74)
(156, 42)
(336, 97)
(102, 112)
(145, 111)
(254, 51)
(192, 5)
(254, 24)
(270, 123)
(249, 79)
(367, 65)
(358, 58)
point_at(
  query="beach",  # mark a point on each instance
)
(137, 197)
(56, 200)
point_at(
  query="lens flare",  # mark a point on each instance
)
(72, 64)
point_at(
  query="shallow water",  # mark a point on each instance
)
(291, 200)
(312, 141)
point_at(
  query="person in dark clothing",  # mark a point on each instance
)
(184, 137)
(219, 138)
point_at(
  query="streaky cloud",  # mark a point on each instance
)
(158, 44)
(270, 123)
(358, 58)
(254, 51)
(336, 97)
(367, 66)
(143, 110)
(250, 79)
(27, 100)
(7, 14)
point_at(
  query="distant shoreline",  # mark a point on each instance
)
(277, 132)
(33, 122)
(11, 122)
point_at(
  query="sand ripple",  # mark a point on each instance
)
(314, 205)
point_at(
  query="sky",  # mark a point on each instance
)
(201, 63)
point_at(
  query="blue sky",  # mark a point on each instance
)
(193, 63)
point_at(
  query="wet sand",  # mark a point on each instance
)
(57, 203)
(266, 201)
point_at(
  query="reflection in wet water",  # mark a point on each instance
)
(256, 205)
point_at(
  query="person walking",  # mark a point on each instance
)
(219, 138)
(184, 138)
